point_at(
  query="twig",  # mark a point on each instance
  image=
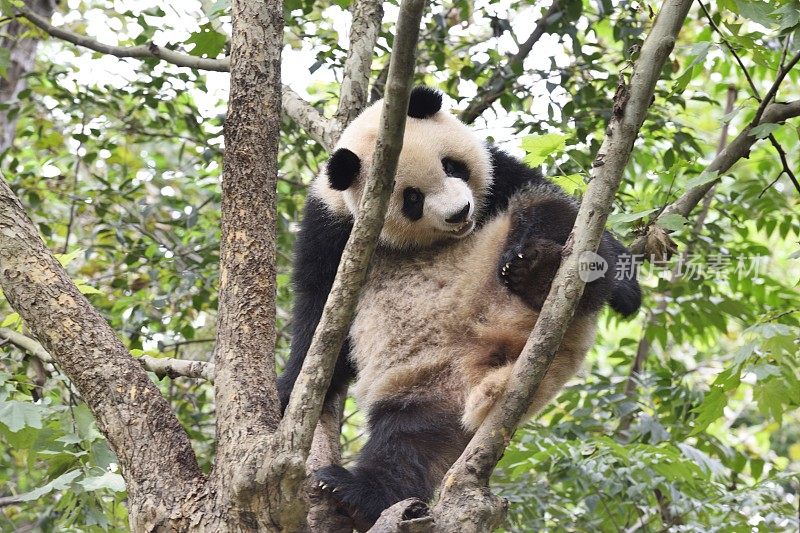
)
(465, 484)
(143, 51)
(783, 69)
(784, 161)
(160, 366)
(76, 171)
(737, 149)
(496, 85)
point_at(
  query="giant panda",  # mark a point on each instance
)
(471, 243)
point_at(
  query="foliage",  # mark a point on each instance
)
(120, 171)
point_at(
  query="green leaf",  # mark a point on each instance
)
(623, 218)
(788, 16)
(540, 147)
(572, 183)
(109, 480)
(66, 259)
(756, 11)
(207, 42)
(702, 179)
(17, 414)
(673, 222)
(10, 320)
(5, 61)
(60, 483)
(87, 289)
(710, 410)
(763, 131)
(770, 395)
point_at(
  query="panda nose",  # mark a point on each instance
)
(461, 216)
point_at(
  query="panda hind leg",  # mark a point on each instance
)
(482, 397)
(412, 441)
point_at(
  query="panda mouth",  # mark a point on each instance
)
(463, 229)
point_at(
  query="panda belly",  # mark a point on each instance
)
(442, 327)
(403, 337)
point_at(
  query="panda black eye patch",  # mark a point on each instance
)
(413, 201)
(455, 169)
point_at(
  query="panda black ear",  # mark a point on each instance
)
(343, 168)
(424, 102)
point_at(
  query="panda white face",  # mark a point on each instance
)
(443, 174)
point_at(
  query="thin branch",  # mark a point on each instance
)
(497, 84)
(730, 47)
(464, 489)
(144, 51)
(305, 403)
(160, 366)
(783, 69)
(364, 31)
(784, 162)
(739, 148)
(319, 128)
(75, 178)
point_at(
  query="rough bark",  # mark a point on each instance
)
(154, 451)
(22, 54)
(465, 504)
(353, 94)
(245, 394)
(305, 403)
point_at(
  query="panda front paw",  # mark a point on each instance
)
(528, 269)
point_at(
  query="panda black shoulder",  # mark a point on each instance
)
(510, 175)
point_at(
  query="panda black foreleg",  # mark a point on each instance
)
(411, 444)
(534, 248)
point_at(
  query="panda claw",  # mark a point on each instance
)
(520, 256)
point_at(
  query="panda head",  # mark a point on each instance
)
(442, 178)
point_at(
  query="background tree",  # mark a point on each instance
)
(687, 416)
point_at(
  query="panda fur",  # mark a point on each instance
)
(471, 243)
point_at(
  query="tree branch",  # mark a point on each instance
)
(305, 403)
(465, 484)
(364, 31)
(782, 69)
(739, 148)
(324, 131)
(160, 366)
(244, 375)
(498, 83)
(152, 447)
(144, 51)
